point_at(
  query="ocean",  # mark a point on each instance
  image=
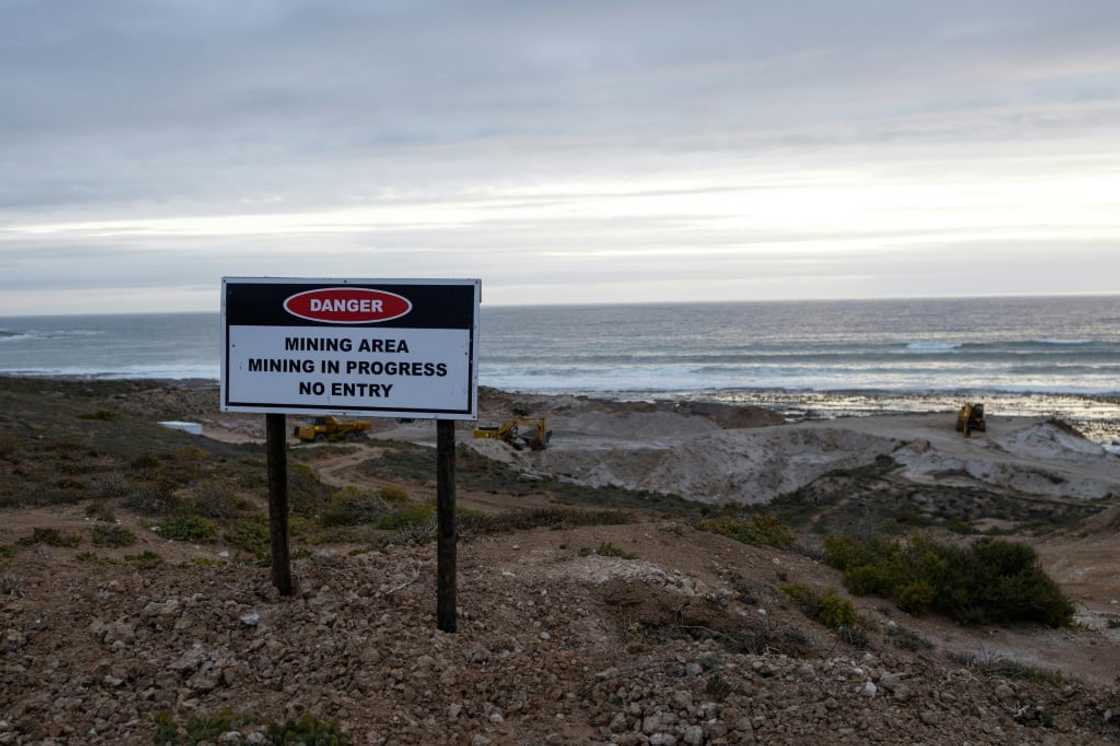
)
(1057, 355)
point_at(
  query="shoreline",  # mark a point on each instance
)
(1097, 416)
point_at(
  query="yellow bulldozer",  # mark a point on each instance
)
(971, 419)
(519, 432)
(331, 429)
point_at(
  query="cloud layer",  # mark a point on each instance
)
(565, 152)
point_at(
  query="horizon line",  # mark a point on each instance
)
(739, 301)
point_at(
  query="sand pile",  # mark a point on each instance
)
(691, 456)
(740, 466)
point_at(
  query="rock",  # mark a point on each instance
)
(903, 693)
(480, 740)
(14, 640)
(619, 722)
(693, 669)
(662, 739)
(694, 735)
(256, 737)
(1005, 693)
(453, 710)
(869, 690)
(252, 619)
(682, 700)
(167, 608)
(545, 636)
(231, 736)
(929, 717)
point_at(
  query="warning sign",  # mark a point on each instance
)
(389, 348)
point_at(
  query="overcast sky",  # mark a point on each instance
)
(562, 151)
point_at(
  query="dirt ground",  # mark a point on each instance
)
(643, 630)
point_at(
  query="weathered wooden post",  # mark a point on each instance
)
(446, 532)
(277, 445)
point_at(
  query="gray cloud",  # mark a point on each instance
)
(549, 132)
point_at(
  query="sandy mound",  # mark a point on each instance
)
(743, 466)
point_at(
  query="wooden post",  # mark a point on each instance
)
(277, 433)
(445, 530)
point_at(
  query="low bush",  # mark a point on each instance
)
(250, 535)
(153, 501)
(393, 494)
(832, 610)
(112, 536)
(352, 507)
(213, 500)
(607, 549)
(410, 517)
(101, 511)
(187, 528)
(52, 537)
(995, 665)
(146, 461)
(109, 485)
(145, 560)
(476, 522)
(907, 639)
(307, 731)
(760, 528)
(991, 581)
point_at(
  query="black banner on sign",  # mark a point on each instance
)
(433, 306)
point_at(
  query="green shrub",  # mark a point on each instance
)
(393, 494)
(52, 537)
(112, 536)
(760, 528)
(411, 517)
(109, 485)
(145, 560)
(213, 500)
(832, 610)
(307, 731)
(991, 581)
(351, 507)
(7, 551)
(251, 535)
(306, 494)
(915, 597)
(187, 528)
(473, 521)
(146, 461)
(836, 611)
(156, 499)
(607, 549)
(907, 639)
(101, 511)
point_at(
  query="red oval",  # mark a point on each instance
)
(347, 305)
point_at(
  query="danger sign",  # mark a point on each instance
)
(389, 348)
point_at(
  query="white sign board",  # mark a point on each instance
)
(373, 348)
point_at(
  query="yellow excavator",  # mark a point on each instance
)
(331, 428)
(971, 419)
(519, 432)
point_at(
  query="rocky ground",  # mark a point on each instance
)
(645, 632)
